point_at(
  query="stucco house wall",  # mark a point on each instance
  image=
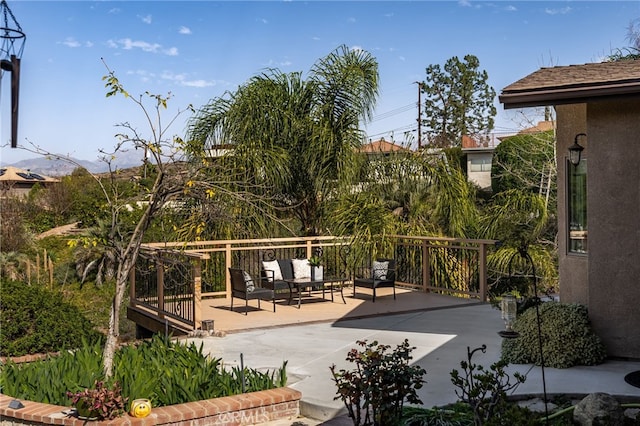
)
(601, 100)
(607, 278)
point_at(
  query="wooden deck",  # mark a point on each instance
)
(316, 309)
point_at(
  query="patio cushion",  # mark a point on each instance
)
(248, 282)
(274, 266)
(301, 268)
(380, 270)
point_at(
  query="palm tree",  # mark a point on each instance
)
(294, 138)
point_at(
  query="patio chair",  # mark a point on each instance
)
(382, 273)
(243, 287)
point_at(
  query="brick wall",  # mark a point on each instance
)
(246, 409)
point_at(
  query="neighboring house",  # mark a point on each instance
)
(15, 182)
(479, 159)
(382, 147)
(598, 106)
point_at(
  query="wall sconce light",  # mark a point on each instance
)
(575, 150)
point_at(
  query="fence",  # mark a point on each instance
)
(171, 279)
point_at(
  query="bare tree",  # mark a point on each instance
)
(122, 241)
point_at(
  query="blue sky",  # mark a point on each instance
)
(198, 50)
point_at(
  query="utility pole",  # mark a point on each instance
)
(419, 116)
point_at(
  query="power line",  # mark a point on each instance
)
(393, 112)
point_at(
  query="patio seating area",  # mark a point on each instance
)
(316, 309)
(176, 287)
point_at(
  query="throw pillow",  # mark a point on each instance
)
(272, 266)
(248, 281)
(380, 270)
(301, 268)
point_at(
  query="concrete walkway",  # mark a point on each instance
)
(441, 337)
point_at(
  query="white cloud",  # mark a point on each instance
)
(198, 83)
(145, 76)
(114, 11)
(182, 80)
(128, 44)
(510, 8)
(561, 11)
(184, 30)
(172, 51)
(71, 42)
(146, 19)
(88, 44)
(264, 21)
(465, 3)
(351, 20)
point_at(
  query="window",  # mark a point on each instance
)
(480, 164)
(577, 208)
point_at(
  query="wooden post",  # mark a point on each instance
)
(482, 271)
(227, 265)
(160, 289)
(309, 249)
(197, 294)
(426, 268)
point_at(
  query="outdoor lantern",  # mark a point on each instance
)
(12, 40)
(575, 150)
(509, 308)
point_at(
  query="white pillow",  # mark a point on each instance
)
(274, 266)
(301, 268)
(248, 282)
(380, 270)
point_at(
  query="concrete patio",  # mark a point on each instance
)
(320, 334)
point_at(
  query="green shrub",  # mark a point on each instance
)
(162, 371)
(375, 391)
(36, 320)
(484, 390)
(567, 337)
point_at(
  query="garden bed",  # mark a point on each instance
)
(244, 409)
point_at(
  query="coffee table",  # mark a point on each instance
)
(327, 283)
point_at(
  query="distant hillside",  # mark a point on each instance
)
(50, 166)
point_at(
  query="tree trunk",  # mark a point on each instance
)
(128, 261)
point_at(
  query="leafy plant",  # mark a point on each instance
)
(99, 402)
(315, 261)
(484, 390)
(567, 337)
(380, 384)
(160, 370)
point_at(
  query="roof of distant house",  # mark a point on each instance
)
(14, 174)
(381, 146)
(542, 126)
(574, 84)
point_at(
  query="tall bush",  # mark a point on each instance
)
(567, 337)
(36, 320)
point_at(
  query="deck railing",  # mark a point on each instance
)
(171, 279)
